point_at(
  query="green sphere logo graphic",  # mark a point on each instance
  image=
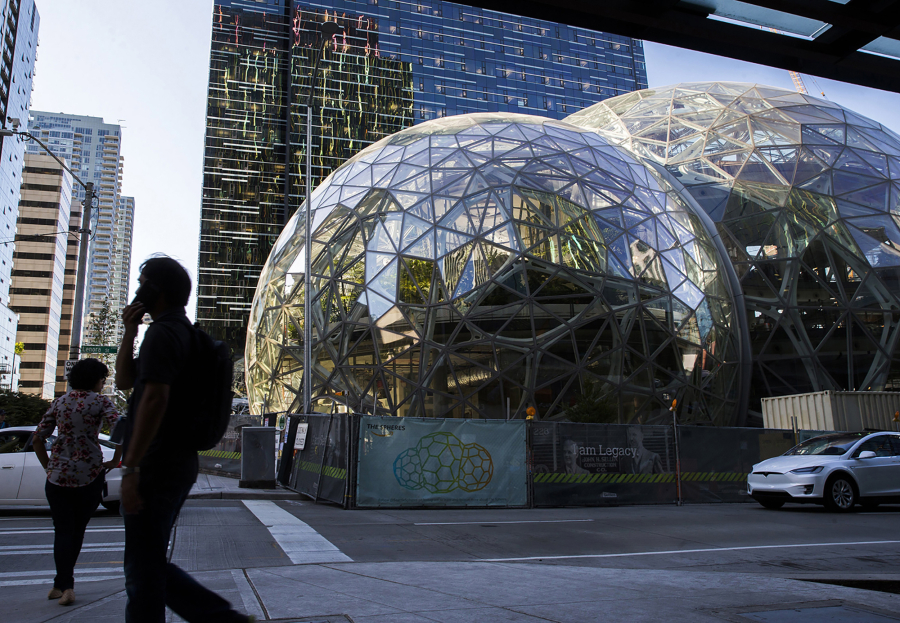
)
(441, 463)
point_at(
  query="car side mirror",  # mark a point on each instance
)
(866, 454)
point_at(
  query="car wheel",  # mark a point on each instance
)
(111, 505)
(840, 495)
(771, 504)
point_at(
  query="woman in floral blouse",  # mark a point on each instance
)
(75, 467)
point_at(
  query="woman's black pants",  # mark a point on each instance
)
(71, 509)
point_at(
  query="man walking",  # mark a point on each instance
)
(160, 465)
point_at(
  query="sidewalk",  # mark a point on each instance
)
(489, 592)
(212, 487)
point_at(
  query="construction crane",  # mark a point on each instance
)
(798, 82)
(796, 78)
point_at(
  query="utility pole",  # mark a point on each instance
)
(78, 307)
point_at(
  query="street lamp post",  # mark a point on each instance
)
(328, 30)
(75, 349)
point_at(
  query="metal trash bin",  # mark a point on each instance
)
(257, 457)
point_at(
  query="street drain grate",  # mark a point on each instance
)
(828, 614)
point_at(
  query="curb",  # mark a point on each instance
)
(244, 494)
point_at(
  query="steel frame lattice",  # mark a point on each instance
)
(806, 198)
(486, 262)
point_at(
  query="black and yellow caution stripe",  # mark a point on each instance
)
(220, 454)
(325, 470)
(640, 478)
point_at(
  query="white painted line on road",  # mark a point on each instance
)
(98, 578)
(84, 546)
(52, 572)
(248, 597)
(481, 523)
(16, 532)
(302, 544)
(686, 551)
(84, 550)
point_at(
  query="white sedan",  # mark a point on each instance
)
(837, 470)
(22, 478)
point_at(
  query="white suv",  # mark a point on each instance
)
(837, 470)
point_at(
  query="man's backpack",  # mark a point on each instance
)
(213, 376)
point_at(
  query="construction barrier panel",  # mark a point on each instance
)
(417, 462)
(601, 464)
(715, 461)
(316, 448)
(225, 458)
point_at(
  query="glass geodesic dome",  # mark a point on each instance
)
(479, 265)
(806, 197)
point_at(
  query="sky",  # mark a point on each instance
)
(146, 65)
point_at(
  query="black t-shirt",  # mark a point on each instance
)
(165, 357)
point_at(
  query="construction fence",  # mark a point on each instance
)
(361, 461)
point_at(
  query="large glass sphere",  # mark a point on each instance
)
(806, 198)
(479, 265)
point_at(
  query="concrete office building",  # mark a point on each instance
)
(39, 273)
(19, 27)
(65, 325)
(391, 65)
(94, 149)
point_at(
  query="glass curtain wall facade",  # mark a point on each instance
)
(19, 28)
(390, 65)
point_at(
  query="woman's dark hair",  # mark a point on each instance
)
(86, 373)
(170, 277)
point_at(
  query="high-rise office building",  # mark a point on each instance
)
(122, 255)
(94, 149)
(39, 273)
(19, 27)
(390, 65)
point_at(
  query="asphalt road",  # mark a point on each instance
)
(802, 542)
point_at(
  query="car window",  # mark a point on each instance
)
(895, 441)
(12, 442)
(881, 446)
(826, 444)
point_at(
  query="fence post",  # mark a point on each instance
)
(324, 453)
(679, 501)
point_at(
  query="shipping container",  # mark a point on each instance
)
(833, 411)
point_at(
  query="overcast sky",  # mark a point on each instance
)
(145, 65)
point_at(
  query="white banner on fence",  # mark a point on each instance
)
(441, 462)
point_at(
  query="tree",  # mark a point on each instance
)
(22, 409)
(101, 331)
(594, 407)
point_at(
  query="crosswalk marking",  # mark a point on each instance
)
(32, 578)
(17, 532)
(301, 543)
(4, 548)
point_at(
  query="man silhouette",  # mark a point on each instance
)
(160, 465)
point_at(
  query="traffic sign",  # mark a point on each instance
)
(69, 364)
(92, 349)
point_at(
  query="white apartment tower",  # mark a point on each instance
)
(94, 149)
